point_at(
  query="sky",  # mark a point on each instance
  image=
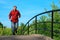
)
(27, 8)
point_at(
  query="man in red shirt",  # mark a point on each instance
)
(13, 16)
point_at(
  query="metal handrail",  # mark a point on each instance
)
(52, 11)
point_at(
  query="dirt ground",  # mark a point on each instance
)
(25, 37)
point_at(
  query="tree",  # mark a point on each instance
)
(1, 25)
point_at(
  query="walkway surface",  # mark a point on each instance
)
(25, 37)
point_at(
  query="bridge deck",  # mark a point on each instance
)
(25, 37)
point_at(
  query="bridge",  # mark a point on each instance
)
(26, 30)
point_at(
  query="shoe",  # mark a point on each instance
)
(16, 30)
(13, 33)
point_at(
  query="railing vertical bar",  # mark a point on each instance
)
(52, 26)
(23, 30)
(28, 28)
(35, 24)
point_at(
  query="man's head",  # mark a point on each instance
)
(14, 7)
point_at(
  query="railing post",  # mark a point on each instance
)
(52, 26)
(35, 24)
(28, 28)
(21, 30)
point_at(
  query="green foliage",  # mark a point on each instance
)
(1, 25)
(1, 31)
(7, 31)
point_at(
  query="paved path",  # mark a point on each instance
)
(25, 37)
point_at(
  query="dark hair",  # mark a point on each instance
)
(15, 6)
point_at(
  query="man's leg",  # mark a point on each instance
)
(16, 26)
(13, 29)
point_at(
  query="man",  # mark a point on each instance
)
(13, 16)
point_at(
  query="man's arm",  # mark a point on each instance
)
(19, 15)
(10, 15)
